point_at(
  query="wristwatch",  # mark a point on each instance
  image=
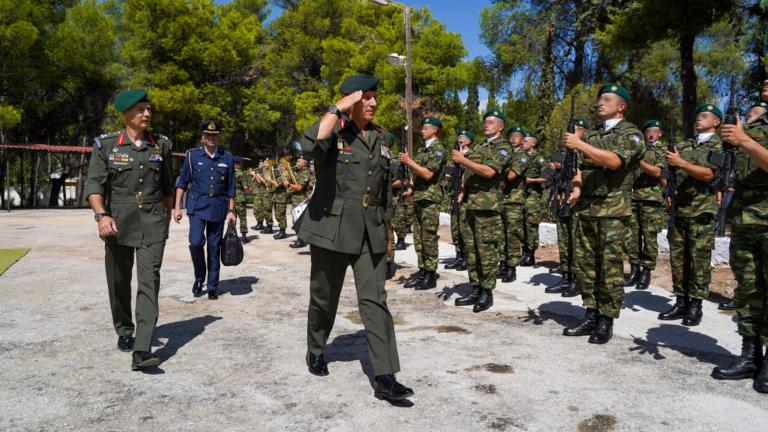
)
(333, 109)
(98, 216)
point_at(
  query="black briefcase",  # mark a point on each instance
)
(231, 247)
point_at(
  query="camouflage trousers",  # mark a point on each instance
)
(599, 262)
(280, 206)
(690, 255)
(262, 207)
(565, 242)
(426, 221)
(648, 218)
(513, 220)
(749, 262)
(241, 205)
(482, 234)
(457, 220)
(403, 217)
(390, 243)
(534, 214)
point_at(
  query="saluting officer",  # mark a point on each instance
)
(130, 189)
(345, 224)
(208, 175)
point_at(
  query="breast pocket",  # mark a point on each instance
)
(120, 174)
(346, 166)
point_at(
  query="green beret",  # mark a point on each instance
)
(514, 128)
(530, 135)
(495, 113)
(650, 124)
(360, 82)
(760, 104)
(581, 122)
(210, 126)
(128, 98)
(468, 134)
(710, 108)
(616, 89)
(432, 121)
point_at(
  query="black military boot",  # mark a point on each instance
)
(244, 237)
(415, 279)
(694, 313)
(728, 305)
(299, 243)
(634, 274)
(408, 229)
(644, 280)
(280, 234)
(558, 269)
(573, 288)
(744, 366)
(510, 275)
(429, 281)
(390, 270)
(213, 294)
(386, 387)
(484, 302)
(603, 331)
(761, 381)
(585, 327)
(502, 269)
(267, 230)
(462, 265)
(524, 256)
(677, 311)
(316, 364)
(197, 288)
(527, 260)
(454, 262)
(258, 227)
(400, 245)
(560, 286)
(143, 359)
(469, 299)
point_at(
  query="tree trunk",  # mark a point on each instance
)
(688, 79)
(546, 89)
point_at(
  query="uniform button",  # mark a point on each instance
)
(211, 169)
(370, 156)
(141, 166)
(141, 193)
(370, 173)
(211, 178)
(368, 189)
(141, 180)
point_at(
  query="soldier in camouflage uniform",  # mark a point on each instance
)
(534, 205)
(602, 194)
(458, 213)
(648, 210)
(300, 192)
(243, 186)
(403, 207)
(692, 232)
(749, 246)
(280, 197)
(260, 197)
(485, 166)
(426, 167)
(513, 200)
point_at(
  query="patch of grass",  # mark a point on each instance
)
(8, 257)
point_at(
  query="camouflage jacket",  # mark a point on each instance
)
(514, 191)
(648, 188)
(604, 192)
(303, 177)
(538, 164)
(695, 197)
(432, 158)
(750, 200)
(481, 193)
(243, 185)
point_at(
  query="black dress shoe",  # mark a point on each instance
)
(245, 238)
(585, 327)
(573, 288)
(197, 288)
(633, 275)
(510, 275)
(213, 294)
(644, 280)
(299, 243)
(603, 330)
(746, 365)
(561, 286)
(143, 359)
(280, 234)
(428, 282)
(400, 245)
(125, 343)
(386, 387)
(484, 302)
(728, 305)
(677, 311)
(469, 299)
(316, 364)
(390, 270)
(694, 313)
(415, 278)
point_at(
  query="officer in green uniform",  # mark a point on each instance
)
(749, 246)
(602, 198)
(345, 224)
(300, 191)
(130, 189)
(425, 167)
(485, 168)
(458, 213)
(513, 199)
(567, 286)
(692, 233)
(534, 205)
(648, 209)
(243, 186)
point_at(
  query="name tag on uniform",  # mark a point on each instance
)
(385, 152)
(340, 144)
(156, 157)
(222, 165)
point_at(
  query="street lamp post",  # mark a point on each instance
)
(408, 72)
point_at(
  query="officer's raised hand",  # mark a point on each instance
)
(346, 102)
(107, 226)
